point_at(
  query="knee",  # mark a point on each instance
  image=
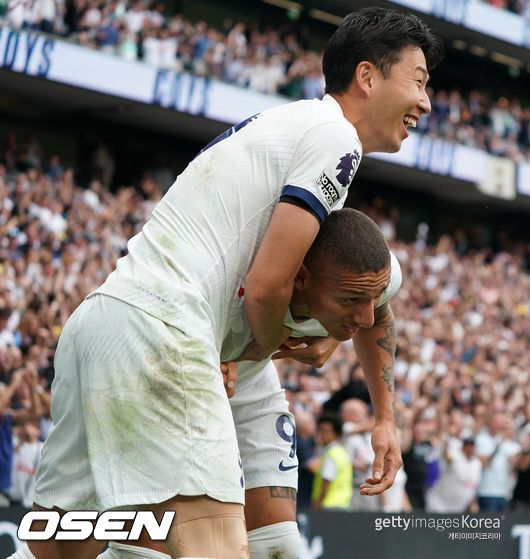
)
(275, 540)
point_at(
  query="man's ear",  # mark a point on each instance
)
(302, 277)
(365, 77)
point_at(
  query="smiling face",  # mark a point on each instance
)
(341, 300)
(394, 102)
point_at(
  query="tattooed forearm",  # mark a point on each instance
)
(388, 377)
(282, 493)
(388, 341)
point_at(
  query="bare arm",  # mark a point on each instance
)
(317, 505)
(36, 411)
(376, 348)
(7, 394)
(269, 284)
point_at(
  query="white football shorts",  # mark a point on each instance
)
(139, 410)
(265, 430)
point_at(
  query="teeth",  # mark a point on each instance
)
(409, 121)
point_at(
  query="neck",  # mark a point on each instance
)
(349, 103)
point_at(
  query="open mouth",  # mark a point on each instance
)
(410, 121)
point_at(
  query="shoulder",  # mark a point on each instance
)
(395, 280)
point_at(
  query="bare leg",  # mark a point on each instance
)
(204, 527)
(269, 505)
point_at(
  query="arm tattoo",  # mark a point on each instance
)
(388, 341)
(282, 493)
(388, 377)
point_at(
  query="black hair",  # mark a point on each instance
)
(377, 35)
(350, 240)
(332, 418)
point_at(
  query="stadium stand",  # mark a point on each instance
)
(267, 60)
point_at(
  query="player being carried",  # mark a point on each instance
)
(140, 414)
(345, 282)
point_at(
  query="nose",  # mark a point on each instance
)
(424, 103)
(363, 314)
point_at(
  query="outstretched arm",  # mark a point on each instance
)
(376, 348)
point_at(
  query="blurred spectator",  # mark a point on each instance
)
(332, 486)
(21, 378)
(456, 488)
(395, 498)
(355, 388)
(499, 455)
(308, 462)
(26, 456)
(357, 440)
(419, 458)
(108, 31)
(55, 169)
(521, 493)
(102, 164)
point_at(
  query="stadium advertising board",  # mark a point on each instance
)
(57, 60)
(523, 179)
(440, 157)
(340, 535)
(479, 16)
(42, 56)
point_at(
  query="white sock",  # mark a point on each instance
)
(275, 540)
(22, 553)
(124, 551)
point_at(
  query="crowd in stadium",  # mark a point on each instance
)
(462, 319)
(521, 7)
(270, 60)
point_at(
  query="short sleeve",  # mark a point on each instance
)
(329, 469)
(395, 281)
(324, 164)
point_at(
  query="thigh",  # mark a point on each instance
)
(205, 527)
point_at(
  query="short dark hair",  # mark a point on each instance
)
(350, 240)
(377, 35)
(334, 419)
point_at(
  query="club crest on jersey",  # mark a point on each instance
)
(331, 194)
(346, 168)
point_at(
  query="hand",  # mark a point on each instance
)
(17, 378)
(387, 459)
(32, 374)
(229, 371)
(473, 508)
(254, 352)
(315, 350)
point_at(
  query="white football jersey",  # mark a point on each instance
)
(203, 235)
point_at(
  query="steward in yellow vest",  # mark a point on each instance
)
(333, 483)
